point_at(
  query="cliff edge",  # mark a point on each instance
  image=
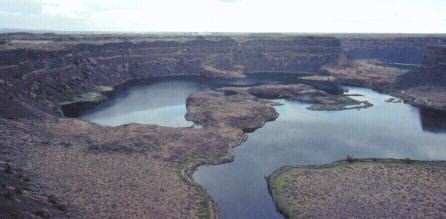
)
(426, 86)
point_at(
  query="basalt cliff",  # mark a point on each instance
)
(425, 86)
(390, 49)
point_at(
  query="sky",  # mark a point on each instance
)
(326, 16)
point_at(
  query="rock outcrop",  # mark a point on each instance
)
(431, 73)
(390, 48)
(435, 56)
(426, 85)
(369, 73)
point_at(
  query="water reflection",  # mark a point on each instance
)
(433, 120)
(159, 102)
(302, 137)
(162, 101)
(297, 137)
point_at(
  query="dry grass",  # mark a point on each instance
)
(364, 188)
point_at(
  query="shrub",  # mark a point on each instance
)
(40, 213)
(8, 195)
(407, 160)
(8, 168)
(18, 190)
(59, 206)
(52, 200)
(15, 215)
(350, 159)
(19, 175)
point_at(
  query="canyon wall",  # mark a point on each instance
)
(37, 78)
(431, 73)
(425, 86)
(435, 56)
(390, 49)
(38, 72)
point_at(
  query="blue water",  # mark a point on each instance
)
(297, 137)
(303, 137)
(161, 102)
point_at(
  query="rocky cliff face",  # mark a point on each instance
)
(38, 78)
(435, 56)
(426, 85)
(431, 73)
(390, 49)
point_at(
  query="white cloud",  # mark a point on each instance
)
(232, 15)
(66, 8)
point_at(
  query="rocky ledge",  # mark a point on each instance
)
(361, 188)
(366, 72)
(85, 101)
(301, 92)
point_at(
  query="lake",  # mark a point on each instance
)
(297, 137)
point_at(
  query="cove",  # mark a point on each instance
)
(297, 137)
(158, 101)
(162, 101)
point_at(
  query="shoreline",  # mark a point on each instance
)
(186, 170)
